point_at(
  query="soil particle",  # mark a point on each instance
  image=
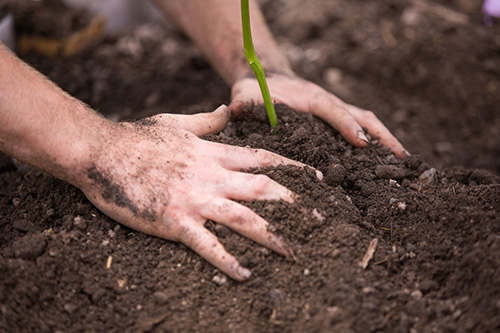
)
(160, 297)
(24, 225)
(335, 175)
(79, 223)
(389, 172)
(29, 247)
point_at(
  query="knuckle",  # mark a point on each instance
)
(263, 157)
(184, 235)
(370, 115)
(238, 216)
(202, 244)
(261, 184)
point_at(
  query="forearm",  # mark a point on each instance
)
(40, 124)
(215, 26)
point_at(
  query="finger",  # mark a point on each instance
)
(240, 108)
(244, 96)
(205, 123)
(245, 222)
(203, 242)
(378, 130)
(238, 158)
(333, 111)
(247, 186)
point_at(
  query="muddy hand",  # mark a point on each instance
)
(305, 96)
(156, 176)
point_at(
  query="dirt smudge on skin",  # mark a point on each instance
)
(150, 121)
(115, 193)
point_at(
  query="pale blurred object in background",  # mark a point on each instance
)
(120, 14)
(491, 8)
(7, 31)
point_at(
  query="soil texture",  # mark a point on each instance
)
(380, 244)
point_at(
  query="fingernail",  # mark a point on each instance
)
(319, 174)
(243, 272)
(361, 135)
(405, 152)
(222, 108)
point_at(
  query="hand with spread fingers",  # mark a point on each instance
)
(158, 177)
(305, 96)
(154, 175)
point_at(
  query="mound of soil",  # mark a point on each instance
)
(431, 221)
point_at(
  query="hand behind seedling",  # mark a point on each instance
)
(256, 65)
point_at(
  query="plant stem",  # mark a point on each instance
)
(255, 63)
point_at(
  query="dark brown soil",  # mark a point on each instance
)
(436, 267)
(45, 18)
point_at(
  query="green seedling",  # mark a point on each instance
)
(255, 64)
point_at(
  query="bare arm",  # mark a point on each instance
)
(215, 26)
(40, 124)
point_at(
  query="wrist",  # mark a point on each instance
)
(81, 146)
(269, 72)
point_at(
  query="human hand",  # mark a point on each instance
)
(305, 96)
(156, 176)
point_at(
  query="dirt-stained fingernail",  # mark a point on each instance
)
(405, 152)
(243, 272)
(361, 135)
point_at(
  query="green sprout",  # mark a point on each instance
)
(255, 63)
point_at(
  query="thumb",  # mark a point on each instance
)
(205, 123)
(240, 108)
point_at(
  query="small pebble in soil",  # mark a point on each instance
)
(318, 215)
(417, 294)
(307, 272)
(428, 176)
(70, 308)
(80, 223)
(219, 279)
(264, 251)
(401, 206)
(393, 182)
(160, 297)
